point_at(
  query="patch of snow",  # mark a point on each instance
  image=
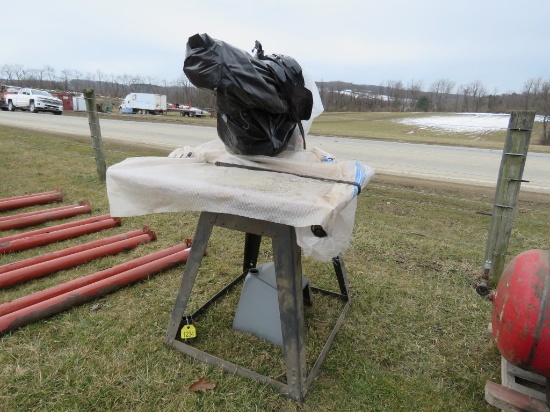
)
(463, 122)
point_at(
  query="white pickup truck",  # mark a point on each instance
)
(34, 101)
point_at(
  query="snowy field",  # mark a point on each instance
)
(477, 123)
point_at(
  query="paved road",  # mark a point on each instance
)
(443, 163)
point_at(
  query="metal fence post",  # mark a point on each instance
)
(509, 181)
(95, 131)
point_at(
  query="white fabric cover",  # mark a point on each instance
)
(190, 180)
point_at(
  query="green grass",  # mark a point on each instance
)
(414, 338)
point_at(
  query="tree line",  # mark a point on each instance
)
(442, 95)
(106, 85)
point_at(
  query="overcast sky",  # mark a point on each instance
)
(501, 43)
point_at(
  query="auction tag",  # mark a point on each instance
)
(188, 332)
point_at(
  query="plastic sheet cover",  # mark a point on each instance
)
(260, 99)
(208, 178)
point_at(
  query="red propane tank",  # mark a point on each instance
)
(521, 312)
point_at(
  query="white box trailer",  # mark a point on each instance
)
(144, 103)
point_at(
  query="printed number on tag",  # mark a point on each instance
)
(188, 332)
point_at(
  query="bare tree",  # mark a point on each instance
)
(126, 81)
(441, 89)
(7, 72)
(182, 85)
(381, 98)
(530, 90)
(66, 75)
(164, 83)
(99, 77)
(495, 102)
(536, 89)
(151, 84)
(478, 93)
(414, 89)
(19, 73)
(394, 91)
(40, 74)
(466, 91)
(338, 96)
(115, 83)
(49, 72)
(527, 88)
(78, 75)
(135, 80)
(87, 82)
(31, 78)
(388, 92)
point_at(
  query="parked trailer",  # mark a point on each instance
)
(188, 110)
(4, 90)
(144, 103)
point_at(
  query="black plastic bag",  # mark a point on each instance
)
(260, 100)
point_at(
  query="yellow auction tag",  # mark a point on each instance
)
(188, 332)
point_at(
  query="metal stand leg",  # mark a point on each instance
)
(202, 234)
(288, 271)
(341, 275)
(251, 250)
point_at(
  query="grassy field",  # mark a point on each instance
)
(414, 339)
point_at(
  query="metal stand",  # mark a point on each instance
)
(288, 270)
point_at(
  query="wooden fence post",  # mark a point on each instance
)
(509, 181)
(95, 131)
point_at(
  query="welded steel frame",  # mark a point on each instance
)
(288, 272)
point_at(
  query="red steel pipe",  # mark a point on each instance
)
(30, 195)
(57, 290)
(49, 307)
(54, 228)
(37, 199)
(39, 270)
(70, 250)
(63, 234)
(36, 212)
(37, 219)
